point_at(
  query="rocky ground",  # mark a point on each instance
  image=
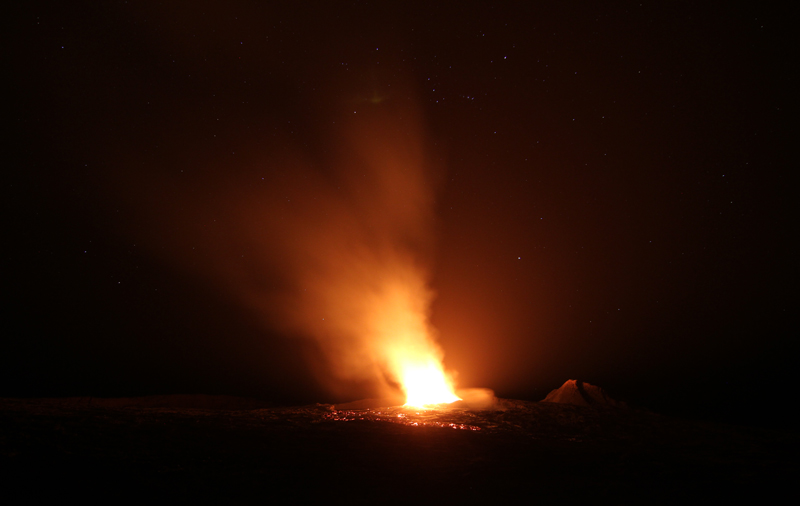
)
(213, 448)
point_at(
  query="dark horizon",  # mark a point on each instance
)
(609, 196)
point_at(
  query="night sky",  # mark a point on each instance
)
(610, 195)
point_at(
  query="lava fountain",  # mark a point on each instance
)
(402, 339)
(425, 383)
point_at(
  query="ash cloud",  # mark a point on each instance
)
(330, 242)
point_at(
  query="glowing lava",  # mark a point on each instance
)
(425, 384)
(397, 330)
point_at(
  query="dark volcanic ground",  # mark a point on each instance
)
(215, 448)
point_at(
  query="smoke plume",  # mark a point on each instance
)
(331, 242)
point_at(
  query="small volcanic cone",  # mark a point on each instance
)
(581, 394)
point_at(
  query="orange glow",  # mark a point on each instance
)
(426, 383)
(402, 337)
(338, 249)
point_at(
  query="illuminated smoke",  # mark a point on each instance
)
(354, 261)
(335, 246)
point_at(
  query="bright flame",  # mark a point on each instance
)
(399, 329)
(426, 383)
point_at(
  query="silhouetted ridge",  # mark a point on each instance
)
(581, 394)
